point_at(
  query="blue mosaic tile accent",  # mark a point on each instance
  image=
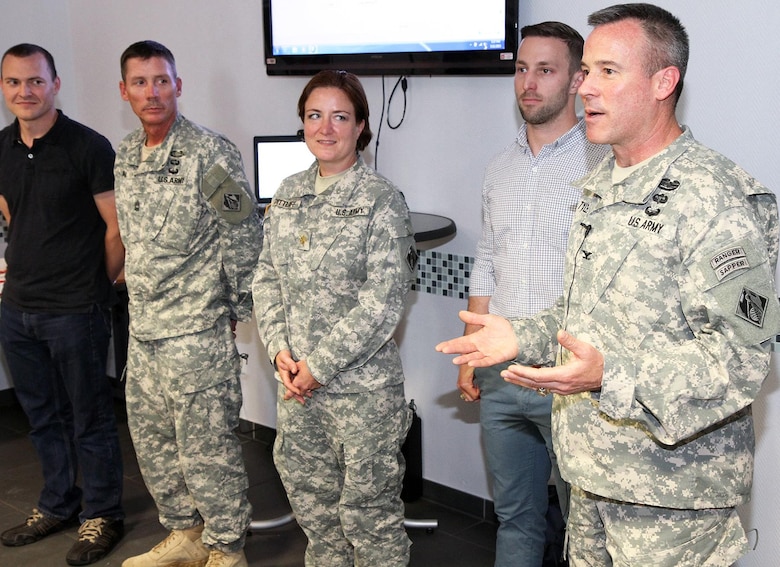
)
(443, 274)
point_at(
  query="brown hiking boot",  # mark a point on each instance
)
(182, 548)
(219, 558)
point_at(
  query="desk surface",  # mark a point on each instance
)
(431, 227)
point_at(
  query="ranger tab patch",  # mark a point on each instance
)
(728, 261)
(752, 307)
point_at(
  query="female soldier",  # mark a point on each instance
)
(338, 259)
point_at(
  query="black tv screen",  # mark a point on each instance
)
(390, 37)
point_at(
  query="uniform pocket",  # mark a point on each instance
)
(341, 253)
(374, 463)
(164, 217)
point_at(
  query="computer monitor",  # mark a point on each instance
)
(277, 157)
(393, 37)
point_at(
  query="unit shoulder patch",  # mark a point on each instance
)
(752, 307)
(225, 195)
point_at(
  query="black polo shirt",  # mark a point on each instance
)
(56, 249)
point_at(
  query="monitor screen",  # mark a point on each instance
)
(277, 157)
(381, 37)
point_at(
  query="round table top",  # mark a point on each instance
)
(431, 227)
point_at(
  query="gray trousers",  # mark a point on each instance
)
(183, 400)
(606, 533)
(339, 458)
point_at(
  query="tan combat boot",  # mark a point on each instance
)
(219, 558)
(182, 548)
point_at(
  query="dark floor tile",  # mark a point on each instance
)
(13, 423)
(279, 547)
(449, 521)
(20, 484)
(440, 549)
(48, 552)
(460, 540)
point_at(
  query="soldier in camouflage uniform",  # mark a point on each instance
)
(669, 291)
(192, 233)
(338, 260)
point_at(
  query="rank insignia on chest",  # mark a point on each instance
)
(303, 241)
(752, 307)
(231, 202)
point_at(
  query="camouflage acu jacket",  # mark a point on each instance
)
(670, 274)
(333, 275)
(190, 227)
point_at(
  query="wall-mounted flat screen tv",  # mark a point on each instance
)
(390, 37)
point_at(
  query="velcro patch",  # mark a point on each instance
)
(752, 307)
(225, 195)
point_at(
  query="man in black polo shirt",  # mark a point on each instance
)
(64, 252)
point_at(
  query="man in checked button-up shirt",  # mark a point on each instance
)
(527, 206)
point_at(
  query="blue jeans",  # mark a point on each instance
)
(58, 366)
(517, 438)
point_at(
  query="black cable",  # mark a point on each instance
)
(379, 130)
(386, 103)
(401, 81)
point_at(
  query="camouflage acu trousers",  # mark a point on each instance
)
(183, 400)
(339, 457)
(605, 533)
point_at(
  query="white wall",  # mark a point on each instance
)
(453, 125)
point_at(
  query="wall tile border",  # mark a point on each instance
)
(443, 274)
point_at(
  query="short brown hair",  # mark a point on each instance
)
(666, 39)
(350, 85)
(144, 50)
(28, 49)
(565, 33)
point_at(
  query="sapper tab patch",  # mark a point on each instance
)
(728, 261)
(752, 307)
